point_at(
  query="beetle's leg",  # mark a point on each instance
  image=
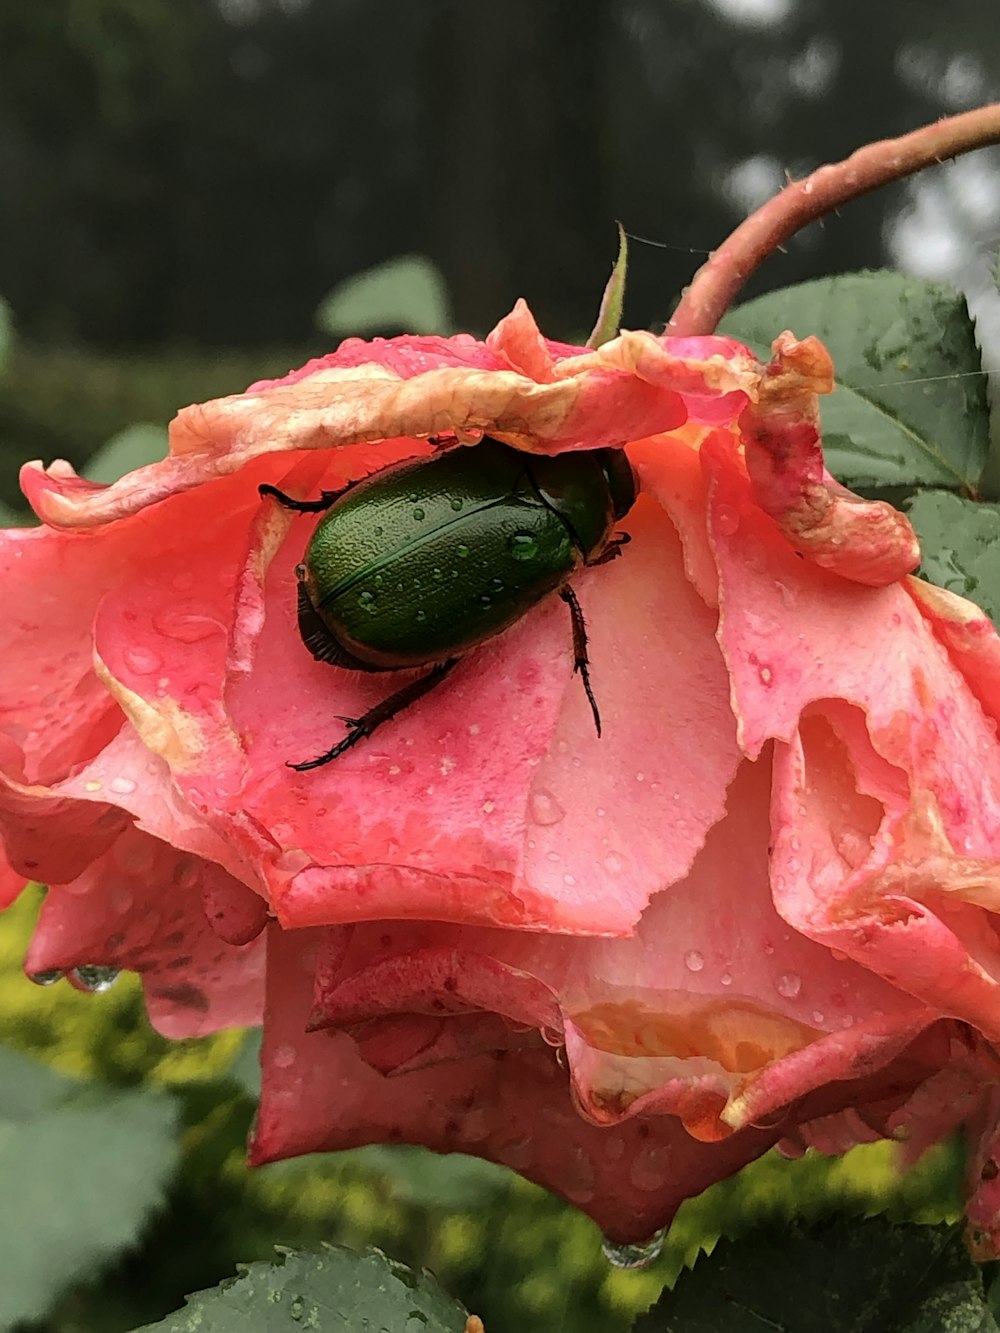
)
(326, 499)
(360, 727)
(582, 658)
(612, 551)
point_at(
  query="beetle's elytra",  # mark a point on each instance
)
(416, 564)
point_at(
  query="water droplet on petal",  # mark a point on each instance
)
(789, 985)
(543, 807)
(766, 675)
(94, 977)
(141, 661)
(186, 624)
(726, 979)
(638, 1255)
(694, 961)
(728, 520)
(49, 977)
(121, 786)
(613, 863)
(284, 1055)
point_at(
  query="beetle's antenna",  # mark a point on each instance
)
(582, 662)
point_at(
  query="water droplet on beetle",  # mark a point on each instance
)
(639, 1254)
(378, 530)
(419, 515)
(47, 977)
(788, 985)
(523, 546)
(456, 504)
(94, 977)
(461, 551)
(296, 1308)
(420, 616)
(543, 807)
(141, 660)
(485, 599)
(437, 575)
(366, 600)
(694, 961)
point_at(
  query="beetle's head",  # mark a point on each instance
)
(621, 480)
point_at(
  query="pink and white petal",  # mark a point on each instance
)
(51, 704)
(511, 837)
(511, 1107)
(969, 636)
(867, 541)
(140, 906)
(669, 470)
(879, 884)
(395, 394)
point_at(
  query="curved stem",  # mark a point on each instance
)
(719, 280)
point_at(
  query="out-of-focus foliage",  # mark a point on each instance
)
(175, 170)
(405, 295)
(84, 1165)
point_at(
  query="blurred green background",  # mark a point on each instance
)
(185, 181)
(197, 194)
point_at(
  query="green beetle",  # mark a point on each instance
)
(418, 563)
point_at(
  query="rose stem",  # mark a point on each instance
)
(718, 280)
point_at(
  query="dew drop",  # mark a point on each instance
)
(284, 1055)
(420, 617)
(142, 661)
(185, 624)
(523, 546)
(728, 520)
(462, 551)
(726, 979)
(456, 504)
(694, 961)
(485, 599)
(419, 515)
(94, 977)
(121, 786)
(296, 1308)
(543, 808)
(48, 977)
(437, 575)
(638, 1255)
(789, 984)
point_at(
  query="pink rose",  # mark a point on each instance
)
(758, 908)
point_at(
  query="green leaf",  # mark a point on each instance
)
(960, 546)
(609, 317)
(910, 404)
(404, 293)
(133, 447)
(332, 1289)
(82, 1168)
(848, 1276)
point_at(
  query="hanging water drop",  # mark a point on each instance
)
(47, 977)
(638, 1255)
(94, 977)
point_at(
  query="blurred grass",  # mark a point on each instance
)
(510, 1251)
(67, 402)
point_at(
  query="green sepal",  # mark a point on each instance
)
(609, 317)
